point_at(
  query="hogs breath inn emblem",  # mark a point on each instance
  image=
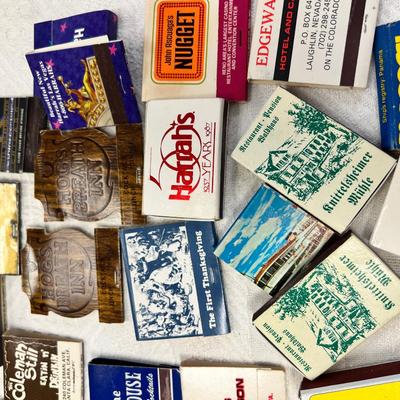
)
(76, 175)
(302, 165)
(180, 152)
(59, 272)
(90, 100)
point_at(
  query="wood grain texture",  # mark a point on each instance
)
(81, 174)
(59, 273)
(109, 276)
(130, 173)
(76, 175)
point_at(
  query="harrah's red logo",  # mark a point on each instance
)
(180, 151)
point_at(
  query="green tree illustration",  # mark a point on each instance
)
(293, 303)
(307, 119)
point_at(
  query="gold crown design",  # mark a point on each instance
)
(90, 101)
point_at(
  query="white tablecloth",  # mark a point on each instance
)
(355, 109)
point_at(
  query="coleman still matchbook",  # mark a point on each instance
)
(325, 43)
(341, 299)
(326, 169)
(196, 49)
(40, 367)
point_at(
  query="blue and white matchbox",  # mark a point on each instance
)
(387, 61)
(174, 281)
(109, 380)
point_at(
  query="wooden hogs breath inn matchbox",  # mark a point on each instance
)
(183, 158)
(368, 383)
(196, 48)
(326, 43)
(342, 298)
(72, 274)
(40, 367)
(323, 167)
(87, 175)
(228, 383)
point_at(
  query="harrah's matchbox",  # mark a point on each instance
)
(183, 158)
(326, 169)
(325, 43)
(196, 48)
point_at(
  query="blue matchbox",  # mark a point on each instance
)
(174, 281)
(76, 27)
(110, 379)
(387, 61)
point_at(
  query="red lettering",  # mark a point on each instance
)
(265, 36)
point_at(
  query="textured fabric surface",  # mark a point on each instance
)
(356, 109)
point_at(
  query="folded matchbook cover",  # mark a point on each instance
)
(220, 382)
(76, 27)
(183, 158)
(39, 367)
(111, 379)
(374, 382)
(324, 43)
(174, 281)
(387, 59)
(326, 169)
(86, 85)
(196, 49)
(344, 296)
(21, 120)
(271, 240)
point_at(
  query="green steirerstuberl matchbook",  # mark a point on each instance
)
(326, 169)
